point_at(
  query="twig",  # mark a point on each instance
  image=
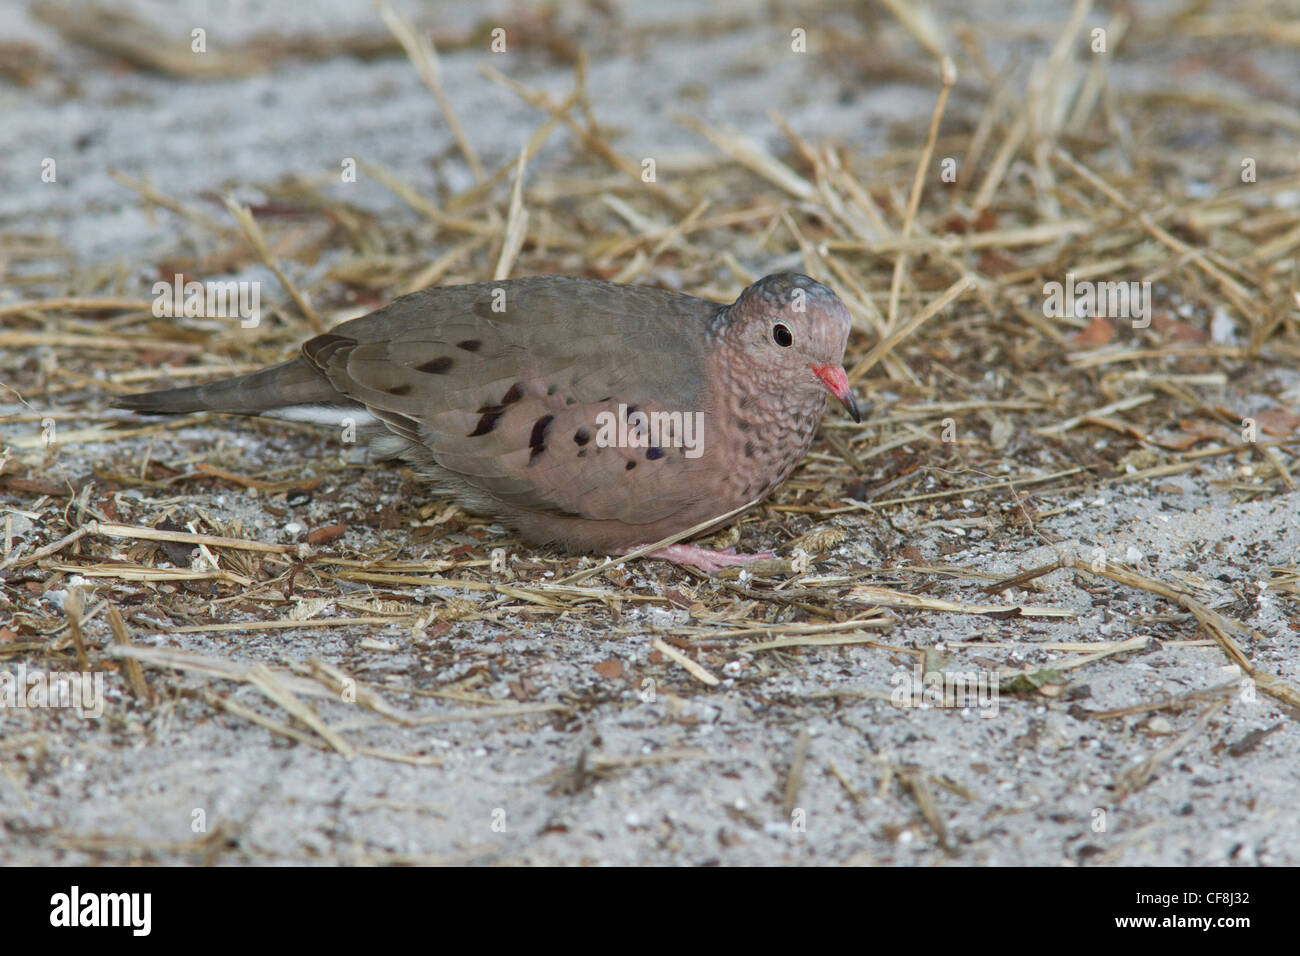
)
(253, 233)
(424, 57)
(692, 668)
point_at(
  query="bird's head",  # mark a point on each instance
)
(793, 331)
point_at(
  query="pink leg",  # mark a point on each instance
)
(704, 559)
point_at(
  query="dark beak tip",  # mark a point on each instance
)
(836, 381)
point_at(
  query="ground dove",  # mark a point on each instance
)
(594, 416)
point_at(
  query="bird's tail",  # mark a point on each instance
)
(281, 386)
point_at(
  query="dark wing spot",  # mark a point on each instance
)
(485, 424)
(630, 466)
(399, 390)
(552, 389)
(509, 398)
(538, 437)
(749, 449)
(582, 436)
(469, 345)
(569, 400)
(436, 366)
(654, 454)
(537, 440)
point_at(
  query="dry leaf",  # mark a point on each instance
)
(1097, 333)
(1279, 422)
(610, 669)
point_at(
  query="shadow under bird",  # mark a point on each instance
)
(585, 414)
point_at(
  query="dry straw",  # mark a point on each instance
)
(945, 282)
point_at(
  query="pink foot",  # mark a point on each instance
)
(704, 559)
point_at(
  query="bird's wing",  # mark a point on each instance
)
(504, 384)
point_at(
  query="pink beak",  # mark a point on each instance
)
(837, 383)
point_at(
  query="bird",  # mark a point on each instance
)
(583, 414)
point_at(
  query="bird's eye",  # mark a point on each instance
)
(782, 337)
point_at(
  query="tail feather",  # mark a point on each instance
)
(291, 383)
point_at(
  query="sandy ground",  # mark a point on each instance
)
(637, 761)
